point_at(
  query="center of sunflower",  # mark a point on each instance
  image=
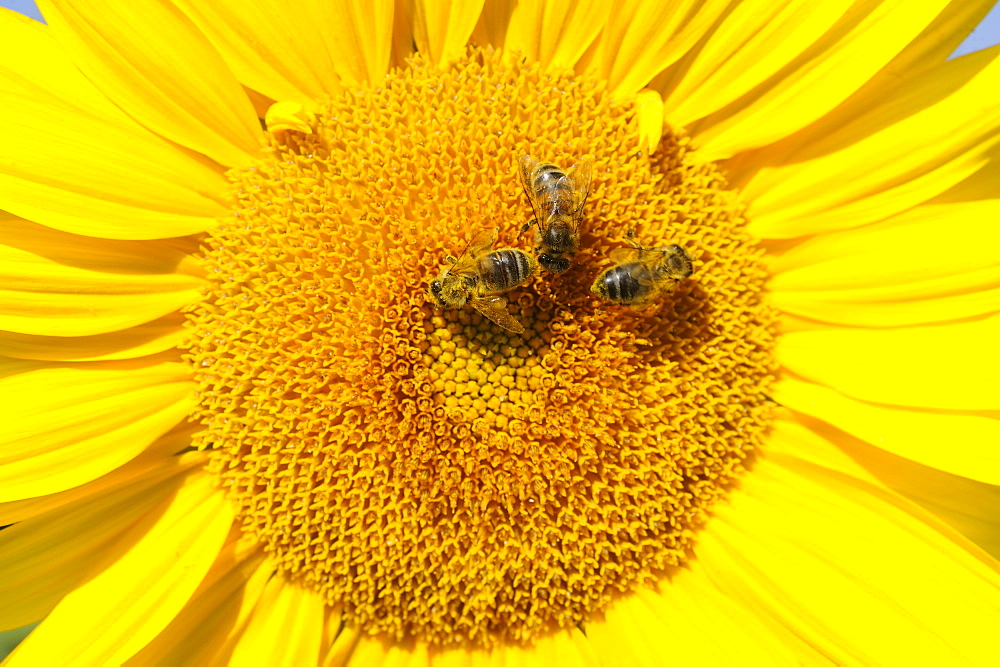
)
(439, 476)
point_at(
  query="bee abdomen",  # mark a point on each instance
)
(620, 285)
(505, 269)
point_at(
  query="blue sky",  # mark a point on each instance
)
(987, 34)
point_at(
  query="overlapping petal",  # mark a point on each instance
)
(72, 160)
(555, 34)
(299, 53)
(206, 629)
(867, 169)
(890, 274)
(965, 504)
(154, 63)
(160, 335)
(682, 621)
(641, 39)
(58, 284)
(67, 425)
(959, 443)
(61, 539)
(118, 611)
(442, 30)
(894, 366)
(865, 39)
(286, 628)
(813, 541)
(750, 44)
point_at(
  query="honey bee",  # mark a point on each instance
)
(641, 275)
(480, 274)
(557, 198)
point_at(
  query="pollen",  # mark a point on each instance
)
(434, 475)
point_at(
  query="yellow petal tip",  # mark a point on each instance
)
(649, 111)
(289, 116)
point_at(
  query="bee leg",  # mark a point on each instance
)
(527, 226)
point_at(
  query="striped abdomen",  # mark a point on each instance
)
(553, 191)
(620, 284)
(505, 269)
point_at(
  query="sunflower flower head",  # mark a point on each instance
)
(438, 475)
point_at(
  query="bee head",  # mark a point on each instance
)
(553, 264)
(436, 292)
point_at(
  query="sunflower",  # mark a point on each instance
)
(239, 429)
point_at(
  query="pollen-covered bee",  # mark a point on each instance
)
(480, 274)
(641, 275)
(557, 198)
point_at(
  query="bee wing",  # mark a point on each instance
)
(635, 260)
(479, 243)
(482, 241)
(625, 255)
(528, 166)
(579, 177)
(495, 308)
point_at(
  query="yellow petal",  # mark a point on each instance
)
(567, 647)
(402, 32)
(118, 611)
(298, 52)
(978, 186)
(362, 650)
(929, 50)
(681, 621)
(641, 39)
(494, 22)
(947, 367)
(139, 341)
(751, 43)
(649, 112)
(166, 449)
(67, 426)
(884, 274)
(58, 284)
(908, 305)
(896, 251)
(811, 540)
(220, 608)
(757, 37)
(816, 81)
(870, 168)
(286, 628)
(361, 36)
(966, 505)
(152, 61)
(289, 117)
(271, 47)
(58, 548)
(555, 32)
(342, 649)
(72, 160)
(956, 443)
(442, 30)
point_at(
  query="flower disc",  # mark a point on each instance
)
(439, 476)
